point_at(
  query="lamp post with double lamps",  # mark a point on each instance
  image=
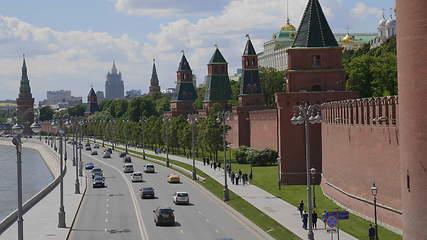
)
(59, 122)
(313, 172)
(143, 121)
(374, 191)
(192, 119)
(166, 120)
(222, 117)
(71, 124)
(82, 125)
(306, 115)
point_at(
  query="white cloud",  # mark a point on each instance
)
(361, 10)
(68, 60)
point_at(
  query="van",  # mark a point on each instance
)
(128, 168)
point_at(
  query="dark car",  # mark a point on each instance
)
(87, 144)
(89, 165)
(96, 172)
(110, 150)
(127, 159)
(98, 181)
(122, 154)
(147, 192)
(88, 148)
(164, 216)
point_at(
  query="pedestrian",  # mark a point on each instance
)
(204, 161)
(301, 207)
(314, 219)
(243, 179)
(304, 220)
(211, 165)
(232, 177)
(324, 218)
(219, 164)
(371, 232)
(214, 165)
(237, 179)
(240, 172)
(208, 160)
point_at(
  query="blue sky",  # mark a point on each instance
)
(71, 44)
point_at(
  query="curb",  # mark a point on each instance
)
(78, 209)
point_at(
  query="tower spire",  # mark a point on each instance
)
(114, 69)
(24, 76)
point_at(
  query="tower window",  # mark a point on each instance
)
(316, 61)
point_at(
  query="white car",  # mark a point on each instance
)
(136, 177)
(128, 168)
(149, 168)
(106, 154)
(181, 198)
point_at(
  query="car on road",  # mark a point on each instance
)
(122, 154)
(87, 144)
(173, 178)
(106, 154)
(149, 168)
(89, 166)
(147, 192)
(136, 177)
(164, 216)
(88, 148)
(97, 172)
(94, 152)
(127, 159)
(128, 168)
(110, 150)
(96, 146)
(181, 198)
(98, 181)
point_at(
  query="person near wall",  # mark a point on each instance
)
(304, 220)
(301, 207)
(371, 232)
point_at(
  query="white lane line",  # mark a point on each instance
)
(106, 220)
(207, 220)
(181, 231)
(105, 229)
(141, 225)
(216, 230)
(106, 212)
(108, 199)
(108, 205)
(199, 212)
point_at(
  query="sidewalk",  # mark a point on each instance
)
(281, 211)
(41, 221)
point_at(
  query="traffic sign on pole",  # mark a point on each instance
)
(332, 221)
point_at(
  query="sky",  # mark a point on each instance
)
(71, 45)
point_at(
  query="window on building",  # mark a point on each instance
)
(316, 61)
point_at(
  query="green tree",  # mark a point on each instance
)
(77, 111)
(272, 81)
(46, 113)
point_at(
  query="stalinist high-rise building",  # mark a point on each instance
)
(25, 101)
(114, 87)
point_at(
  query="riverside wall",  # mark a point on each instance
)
(360, 146)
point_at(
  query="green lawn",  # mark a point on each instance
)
(267, 179)
(266, 223)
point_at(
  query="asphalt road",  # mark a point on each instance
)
(118, 212)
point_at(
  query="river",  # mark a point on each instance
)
(35, 176)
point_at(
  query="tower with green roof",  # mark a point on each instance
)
(185, 93)
(92, 102)
(217, 84)
(25, 101)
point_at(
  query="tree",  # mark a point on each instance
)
(272, 81)
(46, 113)
(77, 111)
(235, 92)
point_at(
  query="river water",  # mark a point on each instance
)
(35, 176)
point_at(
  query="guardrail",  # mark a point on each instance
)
(11, 218)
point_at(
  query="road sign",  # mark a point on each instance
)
(332, 221)
(341, 215)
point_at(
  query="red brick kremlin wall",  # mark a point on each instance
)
(263, 126)
(360, 145)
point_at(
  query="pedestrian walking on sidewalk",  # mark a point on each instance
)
(243, 179)
(314, 219)
(301, 207)
(371, 232)
(219, 164)
(211, 165)
(304, 220)
(204, 161)
(237, 179)
(232, 177)
(324, 218)
(240, 173)
(214, 165)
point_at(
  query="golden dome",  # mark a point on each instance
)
(288, 27)
(347, 38)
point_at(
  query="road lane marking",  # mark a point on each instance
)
(106, 212)
(207, 220)
(181, 231)
(106, 220)
(141, 225)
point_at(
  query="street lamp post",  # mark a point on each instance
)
(192, 118)
(143, 122)
(166, 121)
(61, 213)
(222, 117)
(307, 114)
(71, 124)
(374, 191)
(313, 175)
(80, 163)
(18, 129)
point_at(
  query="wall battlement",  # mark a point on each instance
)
(379, 111)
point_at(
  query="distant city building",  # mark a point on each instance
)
(353, 41)
(114, 87)
(25, 101)
(92, 102)
(169, 91)
(386, 30)
(133, 93)
(62, 98)
(7, 108)
(154, 81)
(100, 96)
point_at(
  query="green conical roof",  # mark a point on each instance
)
(217, 58)
(249, 49)
(314, 30)
(184, 65)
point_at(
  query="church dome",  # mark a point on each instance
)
(382, 22)
(347, 38)
(288, 26)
